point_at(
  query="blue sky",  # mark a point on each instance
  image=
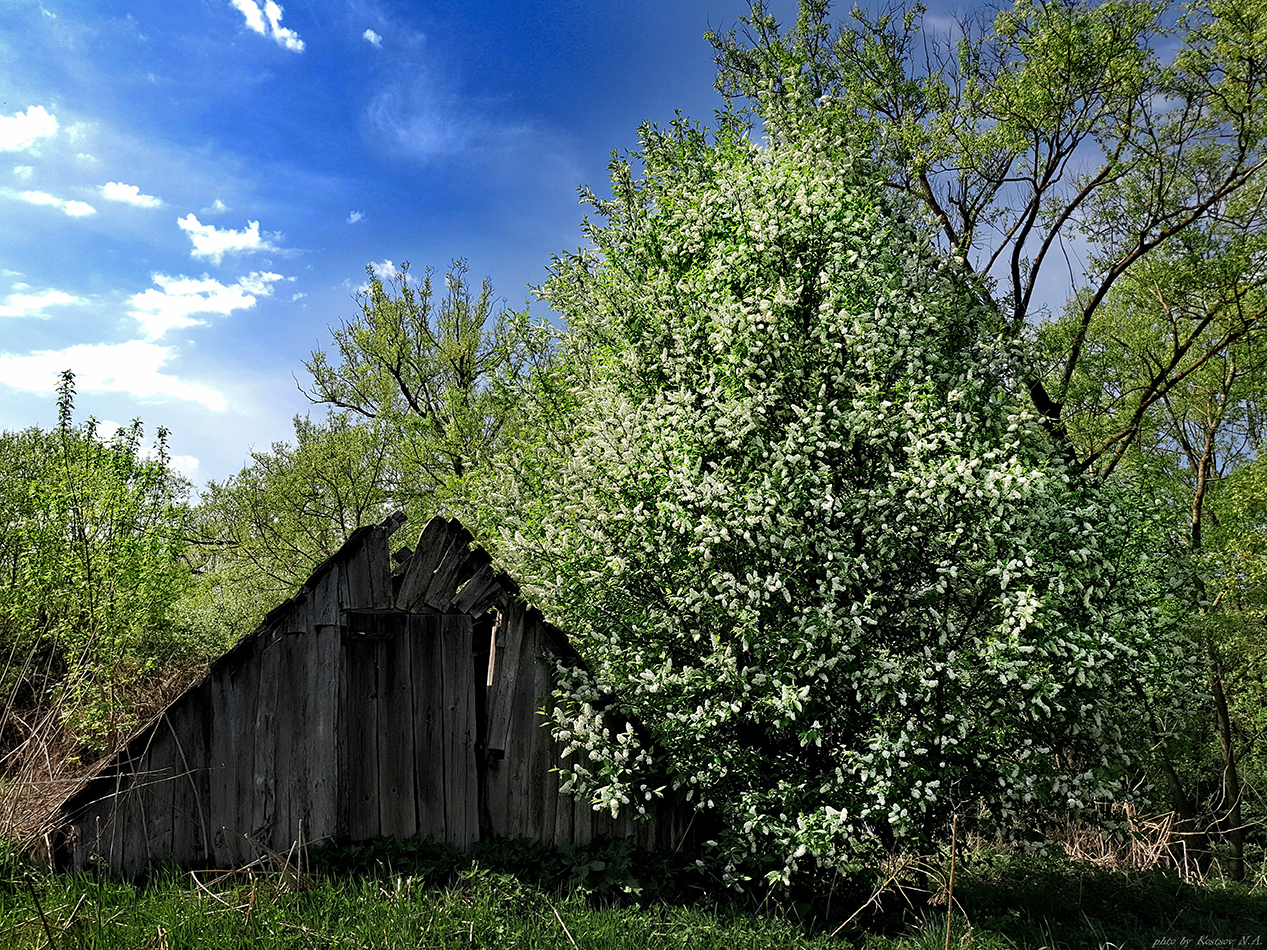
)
(190, 192)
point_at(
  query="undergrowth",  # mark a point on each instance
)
(393, 894)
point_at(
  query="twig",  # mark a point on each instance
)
(892, 877)
(44, 920)
(564, 926)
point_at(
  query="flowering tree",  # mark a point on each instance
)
(801, 525)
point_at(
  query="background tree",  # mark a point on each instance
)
(800, 525)
(439, 379)
(91, 548)
(1197, 447)
(1048, 143)
(262, 532)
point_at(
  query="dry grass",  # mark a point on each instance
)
(1140, 842)
(49, 759)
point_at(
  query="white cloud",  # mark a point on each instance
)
(132, 367)
(129, 194)
(383, 269)
(354, 217)
(76, 209)
(213, 243)
(254, 15)
(373, 37)
(23, 171)
(255, 18)
(85, 157)
(287, 38)
(186, 465)
(173, 304)
(217, 207)
(32, 305)
(20, 131)
(299, 296)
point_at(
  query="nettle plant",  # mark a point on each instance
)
(802, 527)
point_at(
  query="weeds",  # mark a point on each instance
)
(407, 894)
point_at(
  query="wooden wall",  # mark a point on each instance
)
(523, 788)
(361, 707)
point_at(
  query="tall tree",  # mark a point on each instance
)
(1197, 446)
(805, 530)
(438, 377)
(1050, 145)
(261, 533)
(91, 549)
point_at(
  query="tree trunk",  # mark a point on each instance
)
(1230, 816)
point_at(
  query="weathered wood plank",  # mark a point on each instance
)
(323, 703)
(199, 754)
(134, 852)
(264, 800)
(325, 607)
(190, 722)
(583, 821)
(378, 566)
(541, 744)
(500, 702)
(549, 777)
(291, 725)
(524, 731)
(115, 829)
(397, 796)
(432, 545)
(458, 565)
(231, 776)
(362, 765)
(482, 583)
(429, 732)
(155, 793)
(508, 645)
(359, 579)
(564, 819)
(342, 742)
(461, 792)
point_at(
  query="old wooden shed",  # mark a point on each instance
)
(374, 702)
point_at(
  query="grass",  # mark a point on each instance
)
(405, 895)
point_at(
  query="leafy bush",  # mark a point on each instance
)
(91, 550)
(803, 526)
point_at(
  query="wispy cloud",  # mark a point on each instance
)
(213, 243)
(371, 37)
(20, 131)
(76, 209)
(33, 305)
(23, 171)
(133, 367)
(423, 113)
(129, 194)
(173, 304)
(354, 217)
(271, 12)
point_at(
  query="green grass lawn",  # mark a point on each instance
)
(393, 895)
